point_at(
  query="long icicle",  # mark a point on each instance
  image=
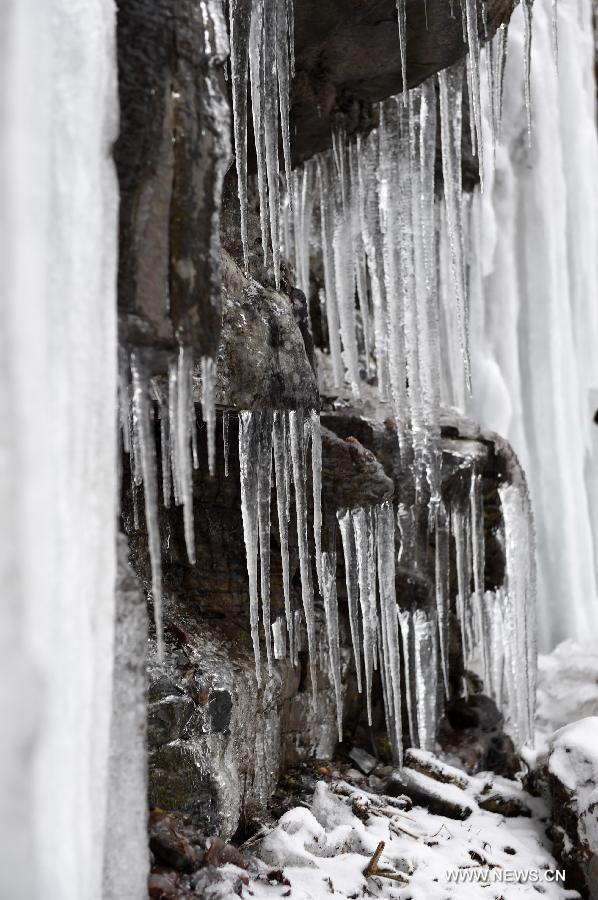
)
(264, 490)
(331, 613)
(299, 480)
(281, 467)
(248, 449)
(240, 20)
(147, 452)
(345, 522)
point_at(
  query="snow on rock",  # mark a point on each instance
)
(567, 688)
(573, 760)
(324, 851)
(572, 780)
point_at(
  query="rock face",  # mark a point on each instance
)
(171, 156)
(572, 778)
(347, 59)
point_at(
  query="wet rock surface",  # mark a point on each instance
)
(171, 156)
(347, 58)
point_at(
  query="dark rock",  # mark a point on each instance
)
(171, 156)
(262, 359)
(219, 853)
(169, 846)
(220, 706)
(163, 884)
(167, 718)
(347, 59)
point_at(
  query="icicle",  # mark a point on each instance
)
(478, 558)
(193, 429)
(240, 19)
(208, 407)
(474, 63)
(366, 573)
(408, 668)
(282, 68)
(521, 604)
(331, 613)
(527, 63)
(142, 424)
(402, 17)
(425, 666)
(256, 70)
(316, 473)
(278, 638)
(327, 213)
(225, 424)
(124, 403)
(451, 88)
(345, 285)
(350, 555)
(359, 257)
(281, 468)
(249, 474)
(299, 479)
(458, 532)
(389, 625)
(426, 286)
(391, 244)
(182, 457)
(500, 59)
(442, 588)
(270, 124)
(555, 32)
(264, 490)
(165, 452)
(368, 205)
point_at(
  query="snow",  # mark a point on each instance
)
(573, 760)
(536, 333)
(325, 849)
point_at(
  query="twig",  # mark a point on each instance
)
(372, 868)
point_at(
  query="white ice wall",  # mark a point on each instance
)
(58, 226)
(535, 322)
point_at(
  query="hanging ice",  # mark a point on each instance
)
(385, 537)
(263, 464)
(281, 467)
(331, 612)
(363, 526)
(345, 521)
(143, 430)
(239, 24)
(299, 480)
(261, 34)
(249, 474)
(208, 408)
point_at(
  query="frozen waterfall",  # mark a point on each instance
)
(58, 484)
(534, 318)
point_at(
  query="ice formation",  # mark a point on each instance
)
(58, 488)
(534, 313)
(141, 398)
(261, 38)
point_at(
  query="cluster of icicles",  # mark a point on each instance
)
(402, 644)
(140, 396)
(405, 645)
(262, 57)
(387, 240)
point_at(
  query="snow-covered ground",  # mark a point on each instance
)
(324, 849)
